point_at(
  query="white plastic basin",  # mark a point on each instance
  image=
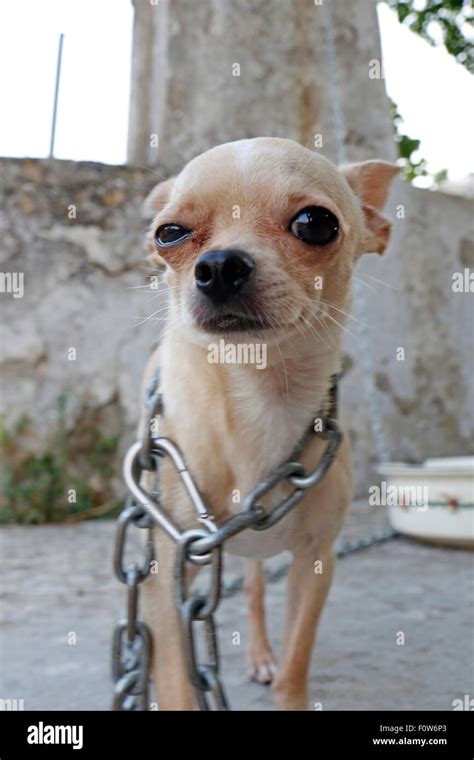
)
(441, 509)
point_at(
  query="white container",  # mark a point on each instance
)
(440, 503)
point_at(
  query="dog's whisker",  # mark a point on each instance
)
(134, 287)
(320, 316)
(380, 282)
(160, 289)
(362, 282)
(342, 327)
(287, 389)
(341, 311)
(320, 319)
(330, 305)
(282, 324)
(163, 307)
(145, 287)
(309, 308)
(150, 317)
(290, 301)
(313, 329)
(324, 327)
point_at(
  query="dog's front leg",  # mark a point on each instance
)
(308, 586)
(261, 661)
(172, 686)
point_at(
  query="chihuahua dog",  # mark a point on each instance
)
(259, 239)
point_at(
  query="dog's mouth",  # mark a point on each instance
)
(227, 323)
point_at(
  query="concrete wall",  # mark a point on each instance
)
(82, 279)
(425, 393)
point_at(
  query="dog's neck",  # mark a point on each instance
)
(297, 374)
(289, 393)
(269, 408)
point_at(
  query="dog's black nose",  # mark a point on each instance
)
(221, 274)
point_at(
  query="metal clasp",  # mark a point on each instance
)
(132, 471)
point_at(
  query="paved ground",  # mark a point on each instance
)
(57, 580)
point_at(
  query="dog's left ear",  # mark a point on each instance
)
(371, 182)
(158, 197)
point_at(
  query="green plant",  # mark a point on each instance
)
(448, 21)
(407, 147)
(451, 21)
(68, 480)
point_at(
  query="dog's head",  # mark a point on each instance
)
(260, 236)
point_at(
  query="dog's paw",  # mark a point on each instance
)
(262, 667)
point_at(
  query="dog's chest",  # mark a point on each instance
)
(251, 455)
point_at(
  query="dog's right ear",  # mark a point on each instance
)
(371, 182)
(158, 197)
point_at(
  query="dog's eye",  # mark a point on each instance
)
(315, 225)
(169, 234)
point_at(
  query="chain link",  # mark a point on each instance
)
(197, 612)
(131, 643)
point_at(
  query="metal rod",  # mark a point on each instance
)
(56, 95)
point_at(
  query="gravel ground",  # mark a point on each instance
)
(57, 580)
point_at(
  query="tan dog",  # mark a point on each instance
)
(259, 238)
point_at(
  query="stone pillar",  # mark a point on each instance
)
(209, 71)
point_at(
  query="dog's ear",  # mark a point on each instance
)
(371, 182)
(152, 204)
(158, 197)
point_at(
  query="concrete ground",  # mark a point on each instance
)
(58, 579)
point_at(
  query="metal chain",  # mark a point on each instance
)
(131, 644)
(131, 658)
(252, 514)
(197, 610)
(131, 652)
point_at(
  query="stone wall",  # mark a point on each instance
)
(83, 290)
(76, 232)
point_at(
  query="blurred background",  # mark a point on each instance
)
(90, 124)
